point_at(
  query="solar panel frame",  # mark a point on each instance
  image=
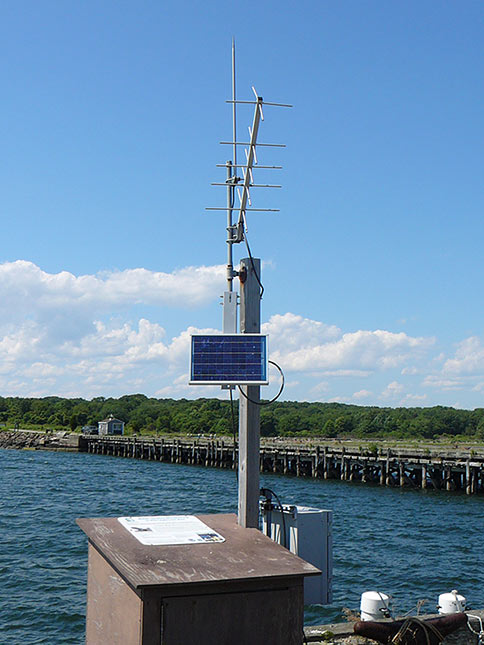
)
(228, 359)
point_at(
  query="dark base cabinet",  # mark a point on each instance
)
(244, 591)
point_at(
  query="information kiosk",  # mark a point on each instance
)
(180, 580)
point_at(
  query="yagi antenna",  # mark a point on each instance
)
(240, 186)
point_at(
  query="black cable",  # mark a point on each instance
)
(261, 403)
(282, 514)
(234, 435)
(257, 277)
(253, 266)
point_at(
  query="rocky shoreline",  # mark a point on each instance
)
(37, 440)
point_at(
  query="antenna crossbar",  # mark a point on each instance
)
(263, 103)
(249, 143)
(223, 165)
(259, 210)
(226, 183)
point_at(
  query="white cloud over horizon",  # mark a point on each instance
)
(308, 345)
(468, 358)
(74, 336)
(22, 281)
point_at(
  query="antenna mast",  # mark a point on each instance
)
(250, 293)
(234, 106)
(240, 186)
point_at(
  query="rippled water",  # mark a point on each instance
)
(412, 544)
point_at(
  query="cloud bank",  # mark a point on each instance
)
(75, 336)
(22, 283)
(310, 345)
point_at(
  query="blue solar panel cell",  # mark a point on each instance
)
(229, 359)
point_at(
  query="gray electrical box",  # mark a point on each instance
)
(308, 534)
(229, 312)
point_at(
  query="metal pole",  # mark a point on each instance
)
(231, 171)
(234, 108)
(230, 231)
(249, 410)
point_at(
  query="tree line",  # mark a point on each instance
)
(145, 415)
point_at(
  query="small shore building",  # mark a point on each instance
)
(111, 425)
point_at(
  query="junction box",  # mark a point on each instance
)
(307, 532)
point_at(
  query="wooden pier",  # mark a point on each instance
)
(433, 468)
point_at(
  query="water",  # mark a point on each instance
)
(412, 544)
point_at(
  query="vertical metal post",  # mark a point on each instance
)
(230, 233)
(231, 171)
(234, 108)
(249, 410)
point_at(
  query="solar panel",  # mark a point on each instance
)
(228, 359)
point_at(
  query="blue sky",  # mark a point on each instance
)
(111, 115)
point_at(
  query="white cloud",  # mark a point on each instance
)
(320, 388)
(301, 344)
(468, 359)
(21, 344)
(350, 373)
(143, 343)
(392, 390)
(22, 283)
(414, 398)
(463, 372)
(53, 337)
(443, 383)
(119, 358)
(411, 371)
(362, 394)
(71, 335)
(290, 331)
(180, 388)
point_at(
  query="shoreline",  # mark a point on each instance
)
(38, 440)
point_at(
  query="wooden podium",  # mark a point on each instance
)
(247, 590)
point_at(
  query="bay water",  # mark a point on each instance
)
(411, 544)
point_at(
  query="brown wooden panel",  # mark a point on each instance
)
(252, 618)
(113, 608)
(151, 621)
(246, 554)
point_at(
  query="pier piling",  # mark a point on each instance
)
(447, 470)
